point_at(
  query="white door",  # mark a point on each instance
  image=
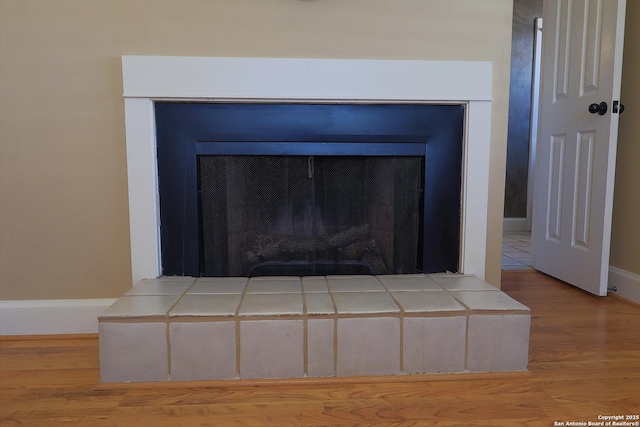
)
(576, 148)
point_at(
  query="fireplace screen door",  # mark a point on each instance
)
(310, 215)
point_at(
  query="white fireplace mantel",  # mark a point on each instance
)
(198, 79)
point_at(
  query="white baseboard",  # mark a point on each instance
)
(44, 317)
(626, 282)
(80, 316)
(515, 224)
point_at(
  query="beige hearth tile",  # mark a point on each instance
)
(427, 301)
(162, 286)
(132, 352)
(368, 346)
(409, 282)
(271, 305)
(354, 284)
(203, 350)
(364, 303)
(218, 285)
(140, 306)
(206, 305)
(488, 300)
(498, 342)
(274, 285)
(271, 349)
(434, 344)
(314, 284)
(316, 304)
(454, 282)
(320, 347)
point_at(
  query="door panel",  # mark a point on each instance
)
(582, 189)
(592, 36)
(562, 49)
(573, 194)
(554, 213)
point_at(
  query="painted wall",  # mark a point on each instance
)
(625, 238)
(63, 188)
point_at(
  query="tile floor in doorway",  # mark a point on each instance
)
(516, 250)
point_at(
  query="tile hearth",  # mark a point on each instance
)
(185, 329)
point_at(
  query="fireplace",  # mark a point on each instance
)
(308, 189)
(466, 86)
(329, 325)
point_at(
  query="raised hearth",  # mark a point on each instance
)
(181, 328)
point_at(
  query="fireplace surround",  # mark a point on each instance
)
(148, 79)
(278, 189)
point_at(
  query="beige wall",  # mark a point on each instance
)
(63, 184)
(625, 239)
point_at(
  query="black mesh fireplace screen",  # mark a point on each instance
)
(310, 215)
(309, 189)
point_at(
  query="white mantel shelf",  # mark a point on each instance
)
(162, 77)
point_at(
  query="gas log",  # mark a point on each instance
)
(351, 244)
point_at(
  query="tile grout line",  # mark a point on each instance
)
(168, 327)
(401, 319)
(305, 332)
(335, 328)
(237, 324)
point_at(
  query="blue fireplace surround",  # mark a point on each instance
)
(188, 130)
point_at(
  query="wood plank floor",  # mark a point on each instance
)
(584, 362)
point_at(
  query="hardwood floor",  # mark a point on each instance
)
(584, 362)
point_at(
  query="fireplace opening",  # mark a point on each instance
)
(310, 215)
(309, 189)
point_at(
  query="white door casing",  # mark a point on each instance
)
(576, 149)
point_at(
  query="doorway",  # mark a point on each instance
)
(525, 64)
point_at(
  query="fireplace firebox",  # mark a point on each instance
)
(251, 189)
